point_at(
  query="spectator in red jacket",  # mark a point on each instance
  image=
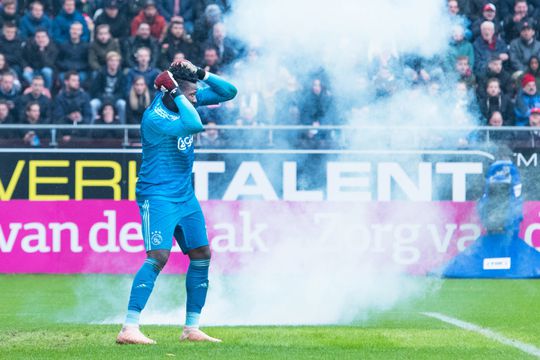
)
(151, 16)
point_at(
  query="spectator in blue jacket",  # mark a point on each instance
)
(488, 45)
(184, 8)
(527, 99)
(143, 68)
(34, 19)
(67, 16)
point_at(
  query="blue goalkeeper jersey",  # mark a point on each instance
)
(167, 142)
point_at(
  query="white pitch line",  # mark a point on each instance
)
(490, 334)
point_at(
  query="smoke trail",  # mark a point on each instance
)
(308, 280)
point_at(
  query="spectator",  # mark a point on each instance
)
(489, 13)
(211, 138)
(487, 45)
(143, 69)
(205, 24)
(101, 46)
(464, 72)
(6, 118)
(496, 101)
(24, 5)
(522, 48)
(118, 24)
(512, 22)
(8, 12)
(459, 46)
(317, 105)
(495, 70)
(533, 68)
(109, 87)
(149, 15)
(34, 19)
(107, 116)
(4, 68)
(11, 46)
(176, 40)
(223, 5)
(527, 99)
(8, 91)
(39, 57)
(73, 55)
(62, 22)
(228, 49)
(138, 100)
(530, 138)
(36, 94)
(458, 19)
(33, 116)
(500, 138)
(134, 43)
(211, 61)
(134, 7)
(178, 8)
(72, 104)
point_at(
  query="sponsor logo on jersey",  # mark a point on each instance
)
(156, 238)
(185, 142)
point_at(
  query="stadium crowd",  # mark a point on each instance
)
(94, 62)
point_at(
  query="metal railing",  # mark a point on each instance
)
(412, 130)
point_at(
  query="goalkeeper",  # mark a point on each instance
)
(165, 194)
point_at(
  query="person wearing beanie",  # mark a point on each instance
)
(526, 100)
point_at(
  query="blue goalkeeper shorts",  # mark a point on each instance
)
(162, 220)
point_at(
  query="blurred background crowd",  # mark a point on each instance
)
(94, 62)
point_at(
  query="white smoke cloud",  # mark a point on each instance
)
(307, 281)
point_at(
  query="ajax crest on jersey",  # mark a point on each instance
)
(156, 238)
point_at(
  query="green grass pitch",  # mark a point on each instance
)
(40, 318)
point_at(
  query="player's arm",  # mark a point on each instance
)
(189, 122)
(218, 90)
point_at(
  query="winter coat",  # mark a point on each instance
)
(119, 26)
(133, 43)
(99, 86)
(157, 24)
(500, 103)
(37, 59)
(149, 76)
(97, 53)
(43, 101)
(457, 49)
(30, 24)
(483, 53)
(12, 50)
(524, 104)
(72, 56)
(68, 102)
(62, 23)
(521, 52)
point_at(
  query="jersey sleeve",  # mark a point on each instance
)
(217, 91)
(189, 122)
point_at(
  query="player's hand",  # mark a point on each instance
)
(186, 65)
(165, 82)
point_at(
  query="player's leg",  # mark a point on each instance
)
(157, 228)
(192, 238)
